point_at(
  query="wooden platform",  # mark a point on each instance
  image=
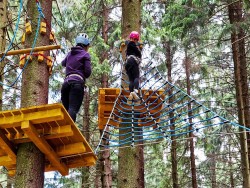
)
(52, 130)
(107, 97)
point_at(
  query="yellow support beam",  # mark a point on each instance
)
(51, 129)
(81, 161)
(5, 160)
(70, 149)
(52, 133)
(86, 161)
(9, 120)
(7, 146)
(44, 147)
(28, 50)
(11, 173)
(108, 96)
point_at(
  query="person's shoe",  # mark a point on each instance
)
(135, 95)
(130, 98)
(138, 102)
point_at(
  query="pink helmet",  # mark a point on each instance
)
(134, 35)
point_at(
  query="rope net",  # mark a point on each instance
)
(163, 112)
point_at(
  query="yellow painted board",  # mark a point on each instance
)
(7, 146)
(44, 147)
(28, 28)
(75, 163)
(35, 117)
(2, 152)
(70, 149)
(47, 133)
(43, 28)
(11, 173)
(6, 160)
(54, 132)
(78, 137)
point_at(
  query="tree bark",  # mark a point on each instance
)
(105, 163)
(238, 49)
(172, 120)
(213, 170)
(191, 135)
(231, 168)
(129, 157)
(86, 133)
(35, 82)
(3, 18)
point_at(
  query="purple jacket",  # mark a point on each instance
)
(78, 62)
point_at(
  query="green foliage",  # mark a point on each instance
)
(198, 27)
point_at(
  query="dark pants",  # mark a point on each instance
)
(72, 96)
(132, 70)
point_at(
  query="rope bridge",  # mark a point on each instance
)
(163, 112)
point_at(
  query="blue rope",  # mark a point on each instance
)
(31, 52)
(15, 31)
(39, 8)
(159, 127)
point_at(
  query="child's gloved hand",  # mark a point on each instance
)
(139, 44)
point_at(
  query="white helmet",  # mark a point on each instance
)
(82, 38)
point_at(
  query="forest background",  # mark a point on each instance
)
(199, 46)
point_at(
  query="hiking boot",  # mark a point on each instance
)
(130, 98)
(135, 95)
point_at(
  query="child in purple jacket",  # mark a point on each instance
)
(78, 68)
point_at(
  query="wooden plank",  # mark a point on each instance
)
(54, 132)
(75, 163)
(11, 173)
(78, 137)
(34, 117)
(44, 147)
(107, 107)
(85, 161)
(6, 161)
(70, 149)
(7, 146)
(28, 50)
(10, 166)
(2, 152)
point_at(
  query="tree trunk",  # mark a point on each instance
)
(3, 21)
(213, 170)
(105, 26)
(231, 168)
(172, 120)
(86, 121)
(105, 163)
(191, 135)
(129, 157)
(3, 18)
(235, 17)
(35, 82)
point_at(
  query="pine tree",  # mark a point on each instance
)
(129, 157)
(35, 81)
